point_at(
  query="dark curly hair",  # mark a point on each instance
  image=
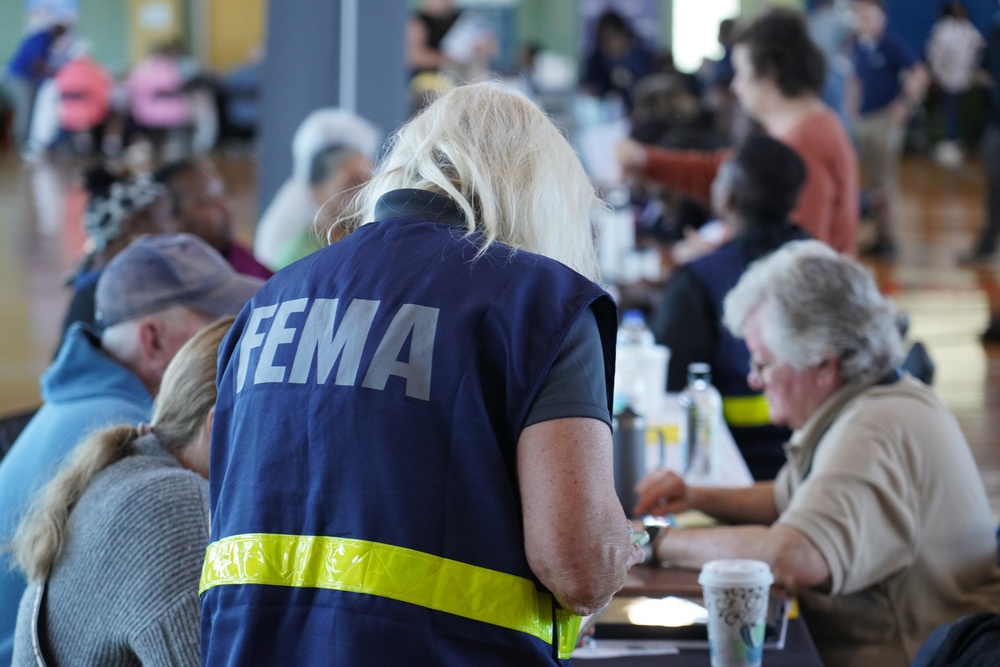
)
(779, 45)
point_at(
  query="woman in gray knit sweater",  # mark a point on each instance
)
(114, 544)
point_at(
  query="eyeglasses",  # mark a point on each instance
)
(758, 367)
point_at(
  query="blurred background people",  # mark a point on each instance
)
(119, 210)
(830, 29)
(239, 99)
(617, 62)
(25, 72)
(159, 105)
(953, 55)
(294, 207)
(113, 545)
(755, 190)
(199, 205)
(84, 88)
(778, 80)
(336, 174)
(890, 83)
(445, 46)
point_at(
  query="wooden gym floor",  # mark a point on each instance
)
(949, 305)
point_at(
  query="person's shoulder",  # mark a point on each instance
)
(907, 399)
(819, 134)
(146, 482)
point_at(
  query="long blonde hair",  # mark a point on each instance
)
(506, 165)
(187, 393)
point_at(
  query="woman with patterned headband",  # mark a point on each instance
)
(119, 210)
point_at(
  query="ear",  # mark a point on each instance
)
(829, 372)
(209, 421)
(152, 343)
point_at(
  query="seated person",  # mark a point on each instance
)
(294, 206)
(754, 193)
(335, 176)
(119, 210)
(618, 59)
(151, 298)
(779, 74)
(128, 517)
(879, 521)
(199, 205)
(84, 87)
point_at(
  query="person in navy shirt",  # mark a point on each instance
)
(890, 82)
(27, 69)
(414, 460)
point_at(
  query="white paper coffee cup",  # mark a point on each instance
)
(736, 594)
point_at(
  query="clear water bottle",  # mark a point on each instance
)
(633, 330)
(634, 340)
(702, 406)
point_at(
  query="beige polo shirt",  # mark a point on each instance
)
(882, 481)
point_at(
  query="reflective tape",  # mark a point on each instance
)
(746, 410)
(385, 570)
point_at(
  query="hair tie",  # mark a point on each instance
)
(143, 429)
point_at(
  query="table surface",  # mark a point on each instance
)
(799, 649)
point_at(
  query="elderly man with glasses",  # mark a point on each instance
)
(878, 520)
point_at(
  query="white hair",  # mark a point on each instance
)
(328, 127)
(816, 303)
(502, 160)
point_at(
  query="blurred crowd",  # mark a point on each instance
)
(771, 164)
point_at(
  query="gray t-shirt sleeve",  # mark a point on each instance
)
(575, 385)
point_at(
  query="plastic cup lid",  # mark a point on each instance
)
(735, 572)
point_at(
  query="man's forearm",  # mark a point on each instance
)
(752, 504)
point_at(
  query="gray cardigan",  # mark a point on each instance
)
(124, 591)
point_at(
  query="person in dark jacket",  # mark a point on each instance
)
(754, 193)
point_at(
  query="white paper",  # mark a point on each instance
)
(616, 648)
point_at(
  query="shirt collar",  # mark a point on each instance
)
(424, 204)
(799, 448)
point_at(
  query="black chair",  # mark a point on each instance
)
(11, 426)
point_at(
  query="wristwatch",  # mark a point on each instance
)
(650, 547)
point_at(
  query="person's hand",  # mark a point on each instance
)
(693, 246)
(661, 492)
(630, 155)
(900, 112)
(636, 556)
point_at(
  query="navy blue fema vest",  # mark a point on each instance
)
(372, 395)
(760, 442)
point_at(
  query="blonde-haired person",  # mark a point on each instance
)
(114, 544)
(878, 521)
(427, 405)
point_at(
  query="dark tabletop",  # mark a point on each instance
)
(799, 649)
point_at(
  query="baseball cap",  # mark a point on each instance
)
(159, 271)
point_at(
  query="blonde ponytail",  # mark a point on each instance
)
(40, 536)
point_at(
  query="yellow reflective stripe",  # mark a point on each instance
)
(746, 410)
(390, 571)
(568, 625)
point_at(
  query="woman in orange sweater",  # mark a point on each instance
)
(779, 77)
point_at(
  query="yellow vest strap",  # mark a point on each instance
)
(373, 568)
(746, 410)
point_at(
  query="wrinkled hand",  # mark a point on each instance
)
(630, 155)
(661, 492)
